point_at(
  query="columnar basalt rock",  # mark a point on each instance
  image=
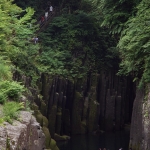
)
(104, 100)
(76, 114)
(44, 122)
(115, 95)
(101, 102)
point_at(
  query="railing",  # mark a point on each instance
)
(55, 12)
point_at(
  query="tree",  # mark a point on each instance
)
(134, 44)
(17, 30)
(74, 44)
(115, 13)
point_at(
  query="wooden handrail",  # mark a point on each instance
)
(52, 14)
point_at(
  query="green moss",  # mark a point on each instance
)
(8, 143)
(34, 107)
(43, 108)
(45, 122)
(61, 138)
(47, 137)
(53, 145)
(39, 117)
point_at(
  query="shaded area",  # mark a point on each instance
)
(111, 141)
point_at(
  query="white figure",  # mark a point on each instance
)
(35, 40)
(51, 8)
(46, 15)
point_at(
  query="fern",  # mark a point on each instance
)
(27, 16)
(134, 45)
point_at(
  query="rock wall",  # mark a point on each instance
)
(24, 134)
(40, 107)
(97, 102)
(140, 125)
(115, 95)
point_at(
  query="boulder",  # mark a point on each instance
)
(23, 134)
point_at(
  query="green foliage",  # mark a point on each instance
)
(3, 97)
(16, 41)
(10, 89)
(27, 16)
(75, 44)
(11, 109)
(115, 13)
(134, 45)
(1, 121)
(17, 54)
(28, 106)
(5, 69)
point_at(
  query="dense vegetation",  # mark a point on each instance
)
(128, 22)
(88, 36)
(74, 44)
(134, 44)
(14, 55)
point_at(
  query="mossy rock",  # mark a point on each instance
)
(34, 106)
(39, 117)
(43, 108)
(45, 122)
(61, 138)
(53, 145)
(47, 137)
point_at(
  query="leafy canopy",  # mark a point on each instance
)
(16, 53)
(115, 13)
(74, 44)
(134, 44)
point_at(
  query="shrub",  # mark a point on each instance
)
(10, 89)
(11, 109)
(1, 121)
(3, 97)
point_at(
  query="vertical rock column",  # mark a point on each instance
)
(136, 123)
(93, 105)
(140, 125)
(76, 116)
(110, 111)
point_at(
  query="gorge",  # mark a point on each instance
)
(87, 74)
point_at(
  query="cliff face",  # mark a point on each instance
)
(140, 125)
(96, 102)
(24, 134)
